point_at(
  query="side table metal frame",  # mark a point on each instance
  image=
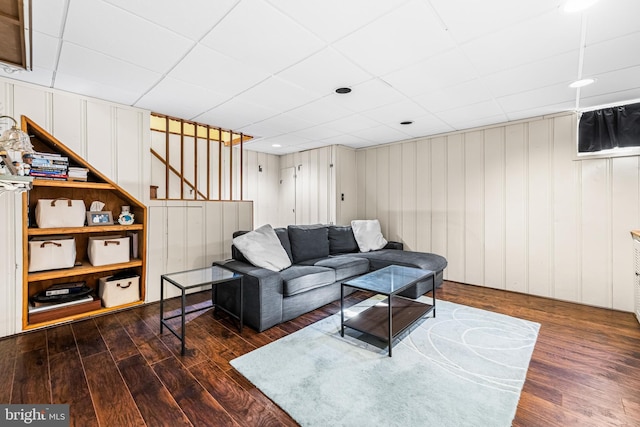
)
(183, 300)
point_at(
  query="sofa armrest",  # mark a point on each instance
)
(394, 245)
(262, 294)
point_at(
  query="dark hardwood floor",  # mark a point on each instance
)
(117, 370)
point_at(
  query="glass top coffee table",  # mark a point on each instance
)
(388, 320)
(213, 276)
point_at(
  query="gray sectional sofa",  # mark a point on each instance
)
(322, 256)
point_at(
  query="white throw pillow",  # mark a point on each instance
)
(263, 248)
(368, 234)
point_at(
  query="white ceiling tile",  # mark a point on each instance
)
(192, 19)
(236, 114)
(442, 70)
(49, 16)
(317, 132)
(466, 20)
(562, 68)
(348, 140)
(615, 54)
(615, 82)
(471, 92)
(472, 112)
(367, 96)
(540, 97)
(220, 73)
(45, 50)
(541, 37)
(279, 94)
(479, 122)
(78, 61)
(380, 134)
(91, 88)
(629, 96)
(39, 76)
(179, 99)
(105, 28)
(334, 19)
(320, 111)
(427, 124)
(324, 72)
(541, 111)
(610, 19)
(259, 35)
(395, 113)
(351, 124)
(284, 123)
(403, 37)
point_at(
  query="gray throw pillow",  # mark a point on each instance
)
(308, 242)
(341, 240)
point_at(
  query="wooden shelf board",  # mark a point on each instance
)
(84, 314)
(73, 184)
(85, 268)
(86, 229)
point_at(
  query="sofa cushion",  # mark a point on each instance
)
(385, 257)
(308, 242)
(263, 248)
(368, 235)
(341, 240)
(345, 266)
(301, 278)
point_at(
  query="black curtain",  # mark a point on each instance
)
(609, 128)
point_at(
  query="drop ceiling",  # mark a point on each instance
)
(270, 68)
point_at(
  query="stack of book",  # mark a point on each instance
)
(77, 174)
(49, 166)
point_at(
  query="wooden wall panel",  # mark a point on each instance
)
(378, 196)
(33, 103)
(626, 211)
(566, 207)
(66, 126)
(130, 154)
(371, 193)
(100, 138)
(455, 190)
(394, 193)
(407, 214)
(473, 207)
(494, 209)
(539, 234)
(439, 197)
(361, 183)
(595, 233)
(11, 263)
(516, 208)
(157, 248)
(423, 195)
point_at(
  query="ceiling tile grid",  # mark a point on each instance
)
(269, 68)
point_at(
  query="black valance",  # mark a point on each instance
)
(609, 128)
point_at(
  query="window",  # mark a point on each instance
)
(192, 161)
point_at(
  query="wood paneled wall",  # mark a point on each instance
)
(511, 208)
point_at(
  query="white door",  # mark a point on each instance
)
(287, 206)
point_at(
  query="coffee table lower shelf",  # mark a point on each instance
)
(375, 320)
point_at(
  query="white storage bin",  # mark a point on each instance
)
(61, 212)
(50, 253)
(114, 291)
(106, 250)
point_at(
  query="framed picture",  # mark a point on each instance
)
(99, 218)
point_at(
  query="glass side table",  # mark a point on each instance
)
(213, 276)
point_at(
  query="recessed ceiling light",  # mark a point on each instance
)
(572, 6)
(406, 122)
(581, 83)
(276, 145)
(343, 90)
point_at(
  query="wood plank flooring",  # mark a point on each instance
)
(117, 370)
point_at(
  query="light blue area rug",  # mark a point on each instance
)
(466, 367)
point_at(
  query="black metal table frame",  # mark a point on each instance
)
(183, 299)
(389, 296)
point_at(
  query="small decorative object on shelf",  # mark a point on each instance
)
(126, 217)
